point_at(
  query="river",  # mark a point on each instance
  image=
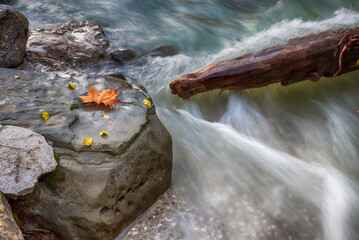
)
(269, 163)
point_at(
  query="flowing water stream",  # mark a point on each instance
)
(270, 163)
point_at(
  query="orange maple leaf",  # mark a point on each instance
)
(107, 97)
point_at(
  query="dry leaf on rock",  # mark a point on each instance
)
(17, 77)
(45, 115)
(87, 141)
(71, 86)
(107, 97)
(103, 133)
(147, 102)
(106, 117)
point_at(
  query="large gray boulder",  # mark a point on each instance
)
(24, 157)
(13, 36)
(72, 45)
(106, 185)
(8, 227)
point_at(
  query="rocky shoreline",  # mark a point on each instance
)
(87, 192)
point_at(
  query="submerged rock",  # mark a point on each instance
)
(114, 74)
(8, 1)
(13, 36)
(8, 227)
(163, 51)
(123, 55)
(72, 45)
(24, 157)
(106, 185)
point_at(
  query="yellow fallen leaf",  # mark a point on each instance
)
(87, 141)
(147, 102)
(45, 115)
(112, 122)
(17, 77)
(103, 133)
(106, 117)
(71, 86)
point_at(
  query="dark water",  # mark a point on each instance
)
(270, 163)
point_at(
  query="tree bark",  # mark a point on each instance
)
(327, 54)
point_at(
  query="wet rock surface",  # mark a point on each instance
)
(173, 217)
(160, 221)
(106, 185)
(24, 157)
(73, 45)
(13, 36)
(8, 227)
(124, 55)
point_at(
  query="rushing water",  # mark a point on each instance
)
(270, 163)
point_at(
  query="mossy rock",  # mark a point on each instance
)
(51, 179)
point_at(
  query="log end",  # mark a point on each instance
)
(186, 86)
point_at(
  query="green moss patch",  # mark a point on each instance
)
(111, 153)
(74, 106)
(52, 179)
(17, 219)
(57, 158)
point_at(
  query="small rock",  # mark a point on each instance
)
(114, 74)
(123, 55)
(24, 157)
(8, 226)
(72, 45)
(8, 1)
(163, 51)
(13, 36)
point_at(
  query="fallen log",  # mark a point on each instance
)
(327, 54)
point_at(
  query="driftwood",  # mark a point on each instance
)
(327, 54)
